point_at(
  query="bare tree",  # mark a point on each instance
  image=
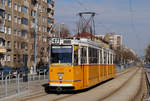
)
(147, 54)
(124, 55)
(61, 30)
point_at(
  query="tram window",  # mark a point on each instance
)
(108, 58)
(93, 55)
(105, 57)
(111, 59)
(61, 54)
(76, 55)
(83, 55)
(101, 61)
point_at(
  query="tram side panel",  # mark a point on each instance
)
(78, 79)
(93, 75)
(113, 71)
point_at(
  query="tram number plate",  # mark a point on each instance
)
(60, 73)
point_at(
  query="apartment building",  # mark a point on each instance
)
(114, 39)
(20, 21)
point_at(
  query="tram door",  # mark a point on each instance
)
(83, 66)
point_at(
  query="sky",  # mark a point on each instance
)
(130, 18)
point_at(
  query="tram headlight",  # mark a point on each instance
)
(60, 77)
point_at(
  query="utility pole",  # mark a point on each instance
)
(35, 43)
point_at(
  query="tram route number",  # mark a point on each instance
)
(55, 40)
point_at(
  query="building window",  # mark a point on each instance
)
(24, 21)
(15, 31)
(19, 8)
(2, 12)
(49, 20)
(15, 6)
(33, 13)
(5, 29)
(49, 1)
(9, 30)
(19, 20)
(15, 19)
(9, 17)
(23, 45)
(8, 44)
(24, 33)
(25, 9)
(9, 3)
(8, 57)
(3, 2)
(43, 28)
(38, 5)
(15, 58)
(2, 28)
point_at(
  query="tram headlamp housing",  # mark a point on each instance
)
(60, 77)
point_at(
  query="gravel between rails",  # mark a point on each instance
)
(128, 91)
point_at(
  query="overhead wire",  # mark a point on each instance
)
(133, 28)
(81, 4)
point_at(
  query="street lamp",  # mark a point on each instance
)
(35, 43)
(60, 29)
(35, 40)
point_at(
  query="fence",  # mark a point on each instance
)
(148, 86)
(22, 84)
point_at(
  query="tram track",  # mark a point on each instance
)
(140, 94)
(62, 97)
(120, 87)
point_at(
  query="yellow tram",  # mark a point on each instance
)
(78, 64)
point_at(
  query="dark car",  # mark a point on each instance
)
(4, 71)
(43, 70)
(22, 70)
(147, 66)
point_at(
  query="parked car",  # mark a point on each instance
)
(5, 70)
(14, 72)
(43, 69)
(22, 70)
(147, 65)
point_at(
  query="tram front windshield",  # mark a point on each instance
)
(61, 54)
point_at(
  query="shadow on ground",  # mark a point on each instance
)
(51, 91)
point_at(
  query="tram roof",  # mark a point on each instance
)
(84, 41)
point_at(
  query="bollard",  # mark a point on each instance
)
(39, 75)
(44, 73)
(33, 77)
(9, 77)
(18, 84)
(29, 76)
(2, 78)
(6, 86)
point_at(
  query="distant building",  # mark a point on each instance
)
(113, 39)
(17, 26)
